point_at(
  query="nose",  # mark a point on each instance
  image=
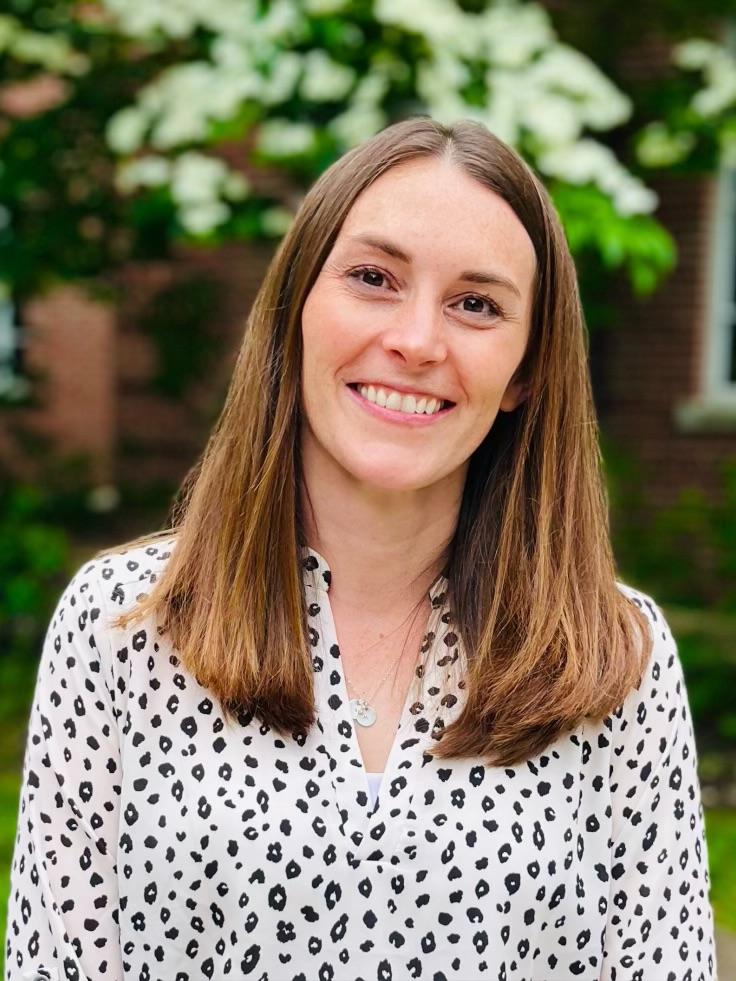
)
(416, 333)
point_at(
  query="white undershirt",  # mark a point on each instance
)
(374, 782)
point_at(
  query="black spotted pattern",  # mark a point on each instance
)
(156, 842)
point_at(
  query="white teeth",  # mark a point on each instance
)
(403, 403)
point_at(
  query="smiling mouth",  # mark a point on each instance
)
(389, 398)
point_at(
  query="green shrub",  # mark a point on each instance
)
(34, 556)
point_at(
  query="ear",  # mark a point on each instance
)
(516, 393)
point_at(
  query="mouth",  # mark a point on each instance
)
(409, 403)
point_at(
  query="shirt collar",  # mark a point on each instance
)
(316, 573)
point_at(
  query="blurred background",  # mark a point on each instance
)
(153, 154)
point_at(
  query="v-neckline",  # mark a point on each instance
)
(366, 823)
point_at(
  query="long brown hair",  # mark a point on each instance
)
(550, 638)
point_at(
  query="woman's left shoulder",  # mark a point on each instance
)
(658, 703)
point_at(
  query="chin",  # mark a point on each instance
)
(393, 476)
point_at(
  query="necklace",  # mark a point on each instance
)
(360, 708)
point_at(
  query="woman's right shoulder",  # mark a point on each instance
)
(121, 575)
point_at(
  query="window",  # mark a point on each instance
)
(713, 409)
(720, 351)
(13, 386)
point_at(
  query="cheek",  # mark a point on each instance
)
(487, 367)
(326, 332)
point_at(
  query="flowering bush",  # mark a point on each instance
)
(699, 129)
(147, 115)
(314, 78)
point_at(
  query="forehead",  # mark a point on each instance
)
(436, 211)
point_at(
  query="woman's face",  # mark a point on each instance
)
(414, 328)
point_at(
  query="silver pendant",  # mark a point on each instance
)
(361, 711)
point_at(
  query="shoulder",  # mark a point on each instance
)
(83, 631)
(108, 585)
(123, 574)
(657, 706)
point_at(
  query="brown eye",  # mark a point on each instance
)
(368, 277)
(482, 305)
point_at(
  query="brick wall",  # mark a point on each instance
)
(70, 349)
(160, 437)
(649, 361)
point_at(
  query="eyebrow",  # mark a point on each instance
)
(469, 276)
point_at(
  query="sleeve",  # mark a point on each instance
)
(659, 923)
(62, 919)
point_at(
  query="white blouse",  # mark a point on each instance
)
(157, 842)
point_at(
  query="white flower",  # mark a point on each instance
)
(513, 34)
(235, 186)
(561, 69)
(440, 20)
(283, 21)
(203, 217)
(325, 80)
(196, 178)
(501, 114)
(103, 498)
(441, 77)
(52, 52)
(552, 118)
(148, 171)
(141, 18)
(720, 91)
(283, 138)
(657, 147)
(229, 52)
(589, 162)
(276, 221)
(578, 163)
(694, 53)
(280, 84)
(356, 124)
(719, 70)
(9, 28)
(126, 129)
(635, 199)
(179, 126)
(322, 7)
(372, 88)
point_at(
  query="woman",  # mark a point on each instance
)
(392, 566)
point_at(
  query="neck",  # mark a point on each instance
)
(384, 547)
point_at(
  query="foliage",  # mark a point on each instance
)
(34, 556)
(191, 97)
(690, 554)
(176, 320)
(60, 215)
(710, 669)
(720, 832)
(685, 557)
(320, 77)
(593, 226)
(697, 126)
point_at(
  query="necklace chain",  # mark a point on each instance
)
(361, 708)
